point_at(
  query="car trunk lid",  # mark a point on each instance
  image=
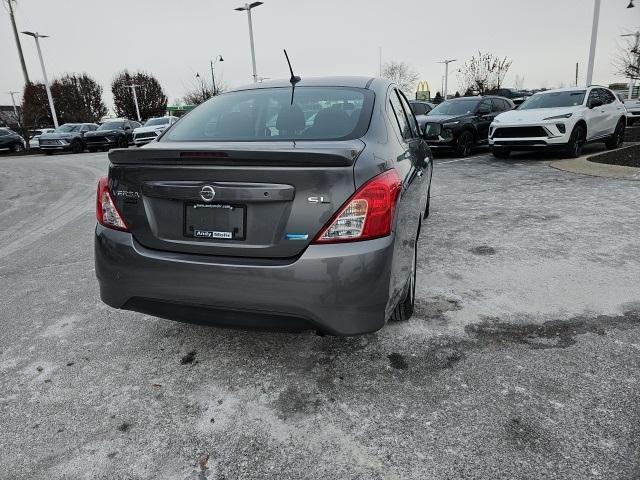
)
(250, 199)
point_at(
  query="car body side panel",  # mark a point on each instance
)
(408, 158)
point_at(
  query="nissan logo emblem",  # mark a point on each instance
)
(207, 193)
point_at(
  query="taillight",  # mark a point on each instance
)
(106, 212)
(367, 214)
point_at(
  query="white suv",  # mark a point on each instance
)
(565, 119)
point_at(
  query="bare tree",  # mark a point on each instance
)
(626, 62)
(401, 74)
(202, 91)
(483, 72)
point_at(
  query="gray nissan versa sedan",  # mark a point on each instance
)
(272, 207)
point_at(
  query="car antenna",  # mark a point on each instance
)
(294, 78)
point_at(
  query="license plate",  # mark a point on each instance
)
(214, 221)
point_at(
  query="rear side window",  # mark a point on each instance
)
(497, 105)
(607, 96)
(398, 113)
(419, 108)
(413, 125)
(264, 114)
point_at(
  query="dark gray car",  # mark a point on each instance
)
(67, 137)
(273, 208)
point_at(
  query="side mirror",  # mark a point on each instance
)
(595, 103)
(484, 110)
(127, 127)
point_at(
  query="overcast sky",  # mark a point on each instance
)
(175, 39)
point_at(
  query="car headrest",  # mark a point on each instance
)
(235, 125)
(290, 120)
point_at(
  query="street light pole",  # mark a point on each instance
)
(213, 77)
(248, 7)
(446, 75)
(37, 37)
(135, 100)
(17, 37)
(594, 38)
(15, 109)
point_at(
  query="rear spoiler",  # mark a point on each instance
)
(300, 154)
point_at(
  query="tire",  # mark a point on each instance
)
(92, 149)
(123, 143)
(77, 147)
(17, 147)
(501, 152)
(617, 139)
(405, 307)
(464, 144)
(48, 152)
(576, 142)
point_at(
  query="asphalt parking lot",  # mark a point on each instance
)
(521, 362)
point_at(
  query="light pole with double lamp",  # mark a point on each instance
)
(37, 38)
(248, 7)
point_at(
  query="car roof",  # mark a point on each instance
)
(333, 81)
(568, 89)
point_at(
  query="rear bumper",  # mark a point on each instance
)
(342, 289)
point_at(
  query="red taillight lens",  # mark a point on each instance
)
(367, 214)
(106, 212)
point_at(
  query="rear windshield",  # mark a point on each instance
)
(69, 127)
(554, 100)
(455, 107)
(317, 113)
(111, 126)
(156, 121)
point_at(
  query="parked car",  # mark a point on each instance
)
(462, 123)
(35, 136)
(421, 108)
(633, 110)
(67, 137)
(564, 118)
(151, 129)
(225, 221)
(515, 95)
(10, 140)
(111, 134)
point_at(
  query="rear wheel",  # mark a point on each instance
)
(501, 152)
(576, 142)
(464, 144)
(404, 309)
(617, 138)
